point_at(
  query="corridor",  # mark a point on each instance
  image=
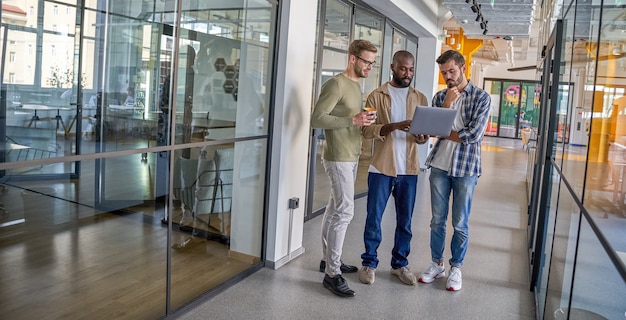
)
(495, 271)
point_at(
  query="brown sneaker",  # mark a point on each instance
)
(367, 275)
(405, 275)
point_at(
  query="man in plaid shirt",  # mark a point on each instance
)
(455, 167)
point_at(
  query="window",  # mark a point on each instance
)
(53, 50)
(11, 42)
(11, 77)
(30, 49)
(55, 10)
(11, 56)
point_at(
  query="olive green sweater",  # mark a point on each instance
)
(339, 100)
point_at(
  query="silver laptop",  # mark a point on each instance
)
(432, 121)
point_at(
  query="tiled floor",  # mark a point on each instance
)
(495, 271)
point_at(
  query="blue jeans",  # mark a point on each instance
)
(462, 189)
(380, 186)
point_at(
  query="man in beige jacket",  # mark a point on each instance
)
(394, 167)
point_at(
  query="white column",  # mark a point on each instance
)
(290, 144)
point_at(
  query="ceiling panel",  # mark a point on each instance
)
(510, 18)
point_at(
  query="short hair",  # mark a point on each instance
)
(360, 45)
(401, 54)
(451, 55)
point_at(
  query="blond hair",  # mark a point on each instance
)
(360, 45)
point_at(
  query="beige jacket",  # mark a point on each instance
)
(384, 155)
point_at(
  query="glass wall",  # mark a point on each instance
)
(344, 22)
(581, 213)
(135, 140)
(515, 107)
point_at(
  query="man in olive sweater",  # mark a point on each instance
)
(338, 111)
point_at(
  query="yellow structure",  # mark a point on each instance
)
(467, 47)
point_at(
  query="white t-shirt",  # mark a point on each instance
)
(398, 114)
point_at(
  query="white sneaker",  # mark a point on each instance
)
(455, 281)
(434, 271)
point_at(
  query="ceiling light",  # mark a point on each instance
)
(478, 17)
(452, 40)
(458, 46)
(485, 32)
(468, 1)
(474, 8)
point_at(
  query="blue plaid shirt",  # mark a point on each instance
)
(475, 105)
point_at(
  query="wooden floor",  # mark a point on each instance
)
(62, 259)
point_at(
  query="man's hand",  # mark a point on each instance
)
(363, 119)
(421, 138)
(452, 95)
(454, 136)
(402, 125)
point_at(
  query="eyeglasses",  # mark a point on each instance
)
(367, 63)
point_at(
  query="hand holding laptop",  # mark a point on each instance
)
(421, 138)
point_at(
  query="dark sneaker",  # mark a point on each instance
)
(345, 268)
(338, 286)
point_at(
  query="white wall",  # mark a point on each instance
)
(290, 150)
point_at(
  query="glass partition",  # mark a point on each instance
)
(343, 22)
(370, 26)
(334, 56)
(134, 165)
(582, 266)
(562, 235)
(494, 88)
(515, 108)
(598, 288)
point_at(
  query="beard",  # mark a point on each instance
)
(401, 82)
(361, 72)
(451, 83)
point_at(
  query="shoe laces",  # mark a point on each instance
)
(455, 274)
(434, 268)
